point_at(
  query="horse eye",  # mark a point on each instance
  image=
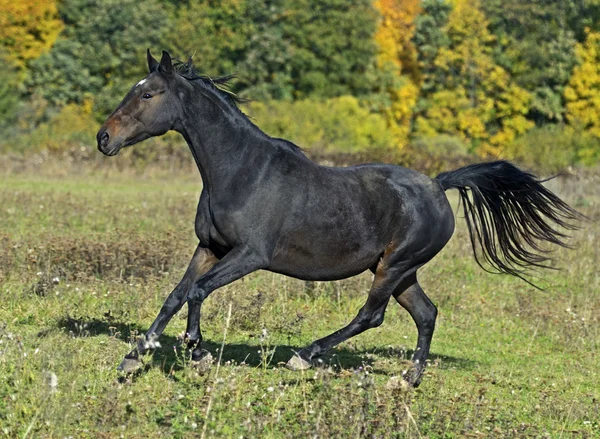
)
(146, 96)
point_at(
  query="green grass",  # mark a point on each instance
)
(85, 263)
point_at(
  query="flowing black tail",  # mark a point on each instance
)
(509, 216)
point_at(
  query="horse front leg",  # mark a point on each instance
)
(239, 262)
(201, 262)
(201, 358)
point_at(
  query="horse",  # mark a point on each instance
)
(265, 206)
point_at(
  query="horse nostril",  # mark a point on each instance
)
(103, 139)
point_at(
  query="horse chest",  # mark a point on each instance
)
(207, 227)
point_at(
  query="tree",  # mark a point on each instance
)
(102, 40)
(216, 33)
(284, 49)
(476, 98)
(583, 92)
(397, 62)
(395, 31)
(581, 16)
(429, 37)
(62, 75)
(9, 96)
(536, 45)
(265, 66)
(28, 28)
(302, 48)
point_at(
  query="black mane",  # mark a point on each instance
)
(220, 85)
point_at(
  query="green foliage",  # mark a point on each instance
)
(9, 95)
(102, 40)
(280, 49)
(429, 38)
(553, 149)
(537, 49)
(61, 76)
(582, 15)
(309, 48)
(477, 99)
(338, 124)
(217, 34)
(481, 71)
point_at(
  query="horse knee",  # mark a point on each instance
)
(197, 295)
(372, 320)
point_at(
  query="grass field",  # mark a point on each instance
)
(86, 261)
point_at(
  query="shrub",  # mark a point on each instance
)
(335, 125)
(436, 154)
(72, 126)
(71, 135)
(552, 148)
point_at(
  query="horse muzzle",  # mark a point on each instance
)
(103, 138)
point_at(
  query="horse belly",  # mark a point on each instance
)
(338, 229)
(324, 259)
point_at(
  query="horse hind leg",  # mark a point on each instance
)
(387, 278)
(424, 313)
(370, 316)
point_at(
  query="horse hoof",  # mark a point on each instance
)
(297, 363)
(412, 377)
(130, 365)
(202, 361)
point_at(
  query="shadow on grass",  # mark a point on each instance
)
(338, 358)
(168, 357)
(82, 327)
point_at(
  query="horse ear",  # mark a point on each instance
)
(166, 65)
(152, 63)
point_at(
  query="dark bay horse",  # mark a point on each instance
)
(265, 205)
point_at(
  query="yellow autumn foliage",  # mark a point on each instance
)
(28, 28)
(400, 113)
(397, 54)
(395, 31)
(479, 103)
(583, 92)
(72, 126)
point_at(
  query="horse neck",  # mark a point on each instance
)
(222, 140)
